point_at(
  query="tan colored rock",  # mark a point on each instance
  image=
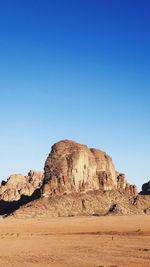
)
(18, 185)
(121, 181)
(131, 190)
(72, 167)
(77, 180)
(93, 203)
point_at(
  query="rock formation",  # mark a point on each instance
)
(72, 167)
(77, 180)
(92, 203)
(145, 189)
(18, 185)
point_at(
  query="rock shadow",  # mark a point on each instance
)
(145, 193)
(7, 207)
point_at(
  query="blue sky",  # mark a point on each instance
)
(75, 70)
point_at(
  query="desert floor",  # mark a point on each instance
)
(75, 241)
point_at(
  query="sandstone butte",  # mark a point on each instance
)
(72, 167)
(76, 180)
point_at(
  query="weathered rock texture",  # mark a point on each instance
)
(72, 167)
(76, 181)
(93, 203)
(18, 185)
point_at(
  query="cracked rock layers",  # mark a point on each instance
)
(72, 167)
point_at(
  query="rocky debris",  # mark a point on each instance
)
(72, 167)
(18, 185)
(145, 189)
(142, 203)
(93, 203)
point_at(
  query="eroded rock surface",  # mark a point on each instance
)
(72, 167)
(18, 185)
(77, 180)
(93, 203)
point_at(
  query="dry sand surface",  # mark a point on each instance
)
(75, 241)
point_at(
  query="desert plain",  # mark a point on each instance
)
(94, 241)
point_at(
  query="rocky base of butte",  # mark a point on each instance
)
(76, 180)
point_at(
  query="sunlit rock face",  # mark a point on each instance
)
(121, 181)
(72, 167)
(18, 185)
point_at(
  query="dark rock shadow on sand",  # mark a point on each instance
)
(7, 207)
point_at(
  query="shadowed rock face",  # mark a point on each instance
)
(8, 207)
(18, 185)
(72, 167)
(145, 189)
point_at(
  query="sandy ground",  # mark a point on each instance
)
(76, 241)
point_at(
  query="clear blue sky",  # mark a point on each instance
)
(75, 70)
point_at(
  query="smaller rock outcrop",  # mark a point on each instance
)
(131, 190)
(18, 185)
(124, 186)
(121, 181)
(145, 189)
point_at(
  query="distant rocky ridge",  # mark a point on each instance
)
(18, 185)
(76, 180)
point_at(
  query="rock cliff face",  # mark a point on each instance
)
(72, 167)
(18, 185)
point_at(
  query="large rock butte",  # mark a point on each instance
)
(72, 167)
